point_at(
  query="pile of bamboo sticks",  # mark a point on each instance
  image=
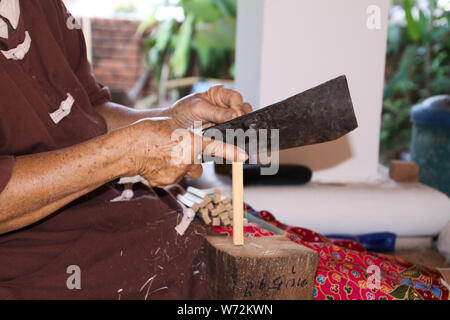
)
(209, 206)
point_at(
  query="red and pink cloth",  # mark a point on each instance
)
(346, 268)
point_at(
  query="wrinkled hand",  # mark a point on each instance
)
(216, 105)
(164, 154)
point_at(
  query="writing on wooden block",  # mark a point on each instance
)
(276, 282)
(263, 268)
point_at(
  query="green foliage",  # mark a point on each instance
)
(125, 8)
(418, 66)
(202, 45)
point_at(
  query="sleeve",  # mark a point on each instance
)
(6, 169)
(74, 45)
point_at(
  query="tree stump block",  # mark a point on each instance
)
(266, 268)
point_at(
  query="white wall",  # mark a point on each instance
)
(287, 46)
(249, 49)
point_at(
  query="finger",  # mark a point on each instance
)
(212, 113)
(247, 108)
(232, 99)
(195, 172)
(227, 98)
(219, 149)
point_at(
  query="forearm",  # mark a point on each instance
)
(43, 183)
(21, 221)
(118, 116)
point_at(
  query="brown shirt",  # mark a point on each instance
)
(33, 88)
(117, 246)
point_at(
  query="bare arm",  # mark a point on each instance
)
(118, 116)
(43, 183)
(216, 105)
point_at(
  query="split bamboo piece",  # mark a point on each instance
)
(224, 216)
(193, 198)
(238, 203)
(210, 206)
(188, 203)
(218, 210)
(206, 200)
(217, 196)
(226, 201)
(216, 222)
(205, 216)
(199, 193)
(229, 207)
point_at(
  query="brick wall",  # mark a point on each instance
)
(116, 53)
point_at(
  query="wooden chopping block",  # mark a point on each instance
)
(265, 268)
(404, 171)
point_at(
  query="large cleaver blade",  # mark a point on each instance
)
(321, 114)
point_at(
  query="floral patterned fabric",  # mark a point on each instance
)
(347, 271)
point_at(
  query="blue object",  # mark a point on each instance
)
(375, 242)
(434, 111)
(430, 146)
(205, 86)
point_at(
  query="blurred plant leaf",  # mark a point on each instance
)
(165, 32)
(395, 39)
(227, 7)
(180, 59)
(203, 10)
(418, 66)
(401, 79)
(204, 56)
(221, 35)
(203, 44)
(232, 70)
(423, 25)
(147, 23)
(412, 25)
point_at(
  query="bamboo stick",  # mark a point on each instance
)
(238, 203)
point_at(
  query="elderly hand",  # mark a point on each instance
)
(216, 105)
(163, 153)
